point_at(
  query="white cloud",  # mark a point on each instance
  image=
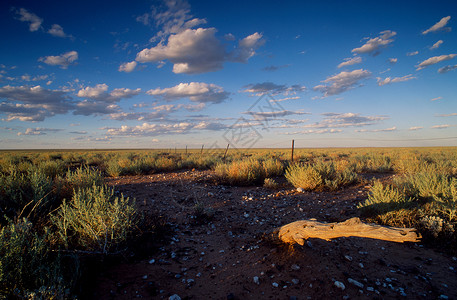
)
(341, 120)
(263, 88)
(190, 51)
(195, 91)
(444, 126)
(378, 130)
(447, 69)
(247, 47)
(412, 53)
(99, 101)
(436, 45)
(194, 51)
(314, 131)
(57, 30)
(26, 16)
(32, 104)
(63, 60)
(434, 60)
(414, 128)
(437, 98)
(273, 114)
(128, 67)
(99, 92)
(438, 26)
(342, 82)
(377, 43)
(393, 60)
(350, 61)
(389, 80)
(148, 129)
(38, 131)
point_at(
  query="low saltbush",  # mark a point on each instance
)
(95, 220)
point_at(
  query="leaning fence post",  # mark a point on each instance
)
(225, 154)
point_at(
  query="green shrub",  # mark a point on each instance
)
(305, 177)
(269, 183)
(52, 168)
(244, 172)
(95, 220)
(113, 169)
(273, 167)
(27, 265)
(84, 177)
(384, 198)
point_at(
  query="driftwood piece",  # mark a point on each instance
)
(299, 231)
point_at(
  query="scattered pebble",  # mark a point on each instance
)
(348, 258)
(174, 297)
(256, 280)
(295, 267)
(355, 282)
(340, 285)
(275, 284)
(152, 261)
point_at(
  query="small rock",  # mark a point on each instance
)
(443, 297)
(295, 267)
(340, 285)
(174, 297)
(152, 261)
(295, 281)
(256, 280)
(361, 265)
(370, 289)
(348, 258)
(145, 277)
(275, 284)
(300, 190)
(355, 282)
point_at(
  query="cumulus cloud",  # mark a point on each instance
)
(194, 51)
(434, 60)
(437, 98)
(195, 91)
(342, 82)
(191, 50)
(247, 47)
(447, 69)
(389, 80)
(100, 101)
(350, 61)
(263, 88)
(374, 45)
(436, 45)
(57, 30)
(438, 26)
(34, 20)
(33, 104)
(63, 60)
(412, 53)
(38, 131)
(340, 120)
(414, 128)
(99, 92)
(128, 67)
(393, 60)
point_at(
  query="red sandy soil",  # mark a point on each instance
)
(219, 258)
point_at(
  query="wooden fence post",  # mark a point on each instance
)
(225, 154)
(292, 155)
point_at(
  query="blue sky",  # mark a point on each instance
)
(165, 74)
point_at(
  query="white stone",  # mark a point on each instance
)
(340, 285)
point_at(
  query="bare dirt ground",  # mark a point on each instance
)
(226, 258)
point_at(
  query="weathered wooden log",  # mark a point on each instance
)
(299, 231)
